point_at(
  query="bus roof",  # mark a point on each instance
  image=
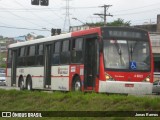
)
(52, 38)
(67, 35)
(42, 40)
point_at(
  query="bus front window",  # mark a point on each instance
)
(139, 52)
(118, 54)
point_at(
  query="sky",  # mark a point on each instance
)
(19, 17)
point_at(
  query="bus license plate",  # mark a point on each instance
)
(129, 85)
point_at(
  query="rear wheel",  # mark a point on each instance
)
(76, 86)
(29, 84)
(21, 84)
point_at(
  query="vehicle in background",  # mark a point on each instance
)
(2, 79)
(156, 87)
(2, 70)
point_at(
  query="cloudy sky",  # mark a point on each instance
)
(19, 17)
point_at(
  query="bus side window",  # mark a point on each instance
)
(21, 55)
(77, 50)
(56, 53)
(31, 55)
(65, 53)
(40, 52)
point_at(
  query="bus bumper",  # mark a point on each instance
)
(125, 87)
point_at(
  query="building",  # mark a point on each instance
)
(154, 30)
(20, 39)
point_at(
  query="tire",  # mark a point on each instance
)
(29, 84)
(21, 84)
(76, 86)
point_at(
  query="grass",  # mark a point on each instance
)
(13, 100)
(2, 63)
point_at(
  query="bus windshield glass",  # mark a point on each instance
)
(127, 55)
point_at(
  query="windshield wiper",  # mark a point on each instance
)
(119, 51)
(132, 48)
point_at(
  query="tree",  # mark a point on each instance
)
(118, 22)
(2, 62)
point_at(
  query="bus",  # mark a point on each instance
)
(101, 59)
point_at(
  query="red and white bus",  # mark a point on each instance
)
(102, 59)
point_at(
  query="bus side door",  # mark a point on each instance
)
(13, 67)
(47, 65)
(91, 62)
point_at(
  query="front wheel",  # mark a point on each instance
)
(76, 84)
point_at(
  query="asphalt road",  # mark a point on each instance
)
(9, 88)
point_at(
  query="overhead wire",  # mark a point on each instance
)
(24, 28)
(46, 9)
(24, 9)
(10, 12)
(137, 7)
(139, 12)
(32, 13)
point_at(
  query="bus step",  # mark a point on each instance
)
(47, 89)
(89, 88)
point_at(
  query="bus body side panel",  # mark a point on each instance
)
(36, 73)
(152, 60)
(60, 78)
(76, 70)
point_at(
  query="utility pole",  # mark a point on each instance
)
(67, 16)
(0, 54)
(105, 13)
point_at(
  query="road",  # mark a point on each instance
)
(9, 88)
(15, 88)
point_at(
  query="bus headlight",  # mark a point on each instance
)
(108, 77)
(147, 79)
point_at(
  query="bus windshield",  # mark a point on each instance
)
(127, 55)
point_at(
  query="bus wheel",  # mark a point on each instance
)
(29, 84)
(21, 84)
(76, 84)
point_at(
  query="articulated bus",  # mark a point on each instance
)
(102, 59)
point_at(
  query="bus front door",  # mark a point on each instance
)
(47, 67)
(13, 68)
(90, 65)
